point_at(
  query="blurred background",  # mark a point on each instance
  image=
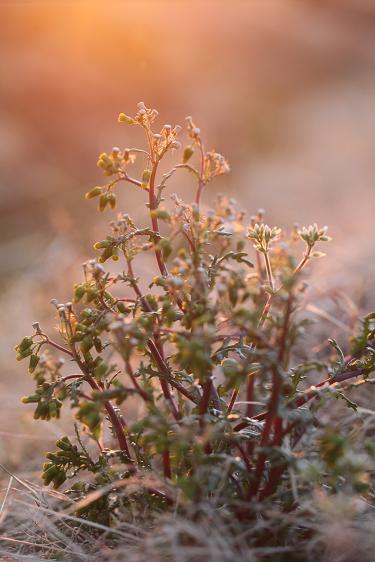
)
(285, 89)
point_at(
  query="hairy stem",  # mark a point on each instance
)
(201, 182)
(154, 220)
(58, 346)
(269, 271)
(303, 261)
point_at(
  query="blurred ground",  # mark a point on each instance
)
(285, 89)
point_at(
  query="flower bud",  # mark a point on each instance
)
(165, 247)
(146, 176)
(103, 201)
(25, 344)
(122, 118)
(34, 360)
(162, 214)
(111, 198)
(93, 192)
(188, 153)
(121, 307)
(78, 292)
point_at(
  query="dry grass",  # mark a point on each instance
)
(35, 526)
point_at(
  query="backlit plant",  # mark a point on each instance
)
(199, 369)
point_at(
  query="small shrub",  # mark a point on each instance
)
(212, 346)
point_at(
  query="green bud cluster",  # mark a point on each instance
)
(110, 250)
(24, 348)
(109, 163)
(60, 462)
(107, 197)
(48, 406)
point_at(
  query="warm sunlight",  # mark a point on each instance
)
(186, 280)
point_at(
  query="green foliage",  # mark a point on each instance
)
(65, 459)
(208, 344)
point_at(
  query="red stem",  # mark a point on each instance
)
(131, 374)
(155, 348)
(167, 464)
(58, 346)
(276, 472)
(232, 401)
(115, 420)
(154, 219)
(245, 456)
(163, 367)
(265, 438)
(159, 359)
(116, 423)
(250, 395)
(203, 405)
(69, 377)
(163, 383)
